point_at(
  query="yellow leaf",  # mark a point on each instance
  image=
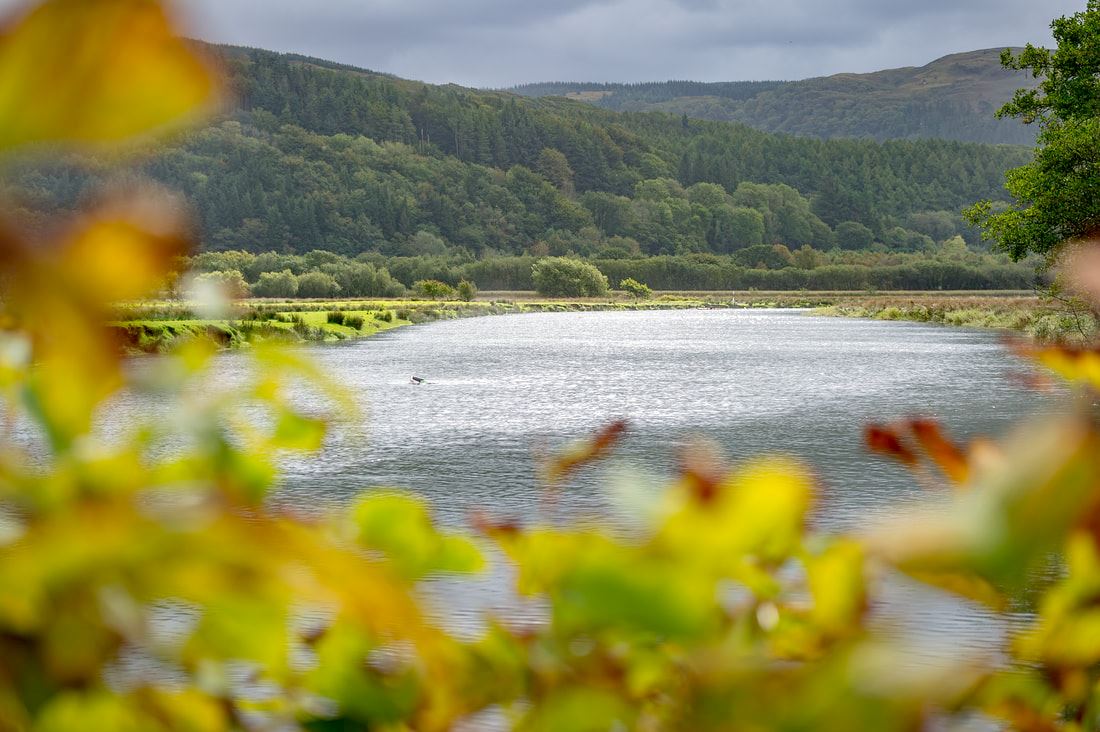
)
(60, 82)
(93, 710)
(123, 252)
(759, 511)
(836, 582)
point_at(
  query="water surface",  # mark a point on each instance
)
(501, 389)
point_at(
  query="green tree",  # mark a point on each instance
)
(639, 290)
(554, 167)
(764, 256)
(807, 258)
(425, 243)
(854, 235)
(1057, 195)
(565, 277)
(433, 289)
(363, 279)
(317, 284)
(276, 284)
(230, 281)
(466, 291)
(732, 228)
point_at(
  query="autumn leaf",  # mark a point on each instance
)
(61, 83)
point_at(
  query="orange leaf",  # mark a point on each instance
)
(944, 453)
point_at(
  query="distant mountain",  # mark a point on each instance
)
(952, 98)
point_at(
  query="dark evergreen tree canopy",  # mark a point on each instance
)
(312, 155)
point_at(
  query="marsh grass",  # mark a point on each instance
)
(151, 327)
(1037, 317)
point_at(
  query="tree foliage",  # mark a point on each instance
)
(433, 289)
(566, 277)
(951, 265)
(310, 155)
(637, 289)
(276, 284)
(318, 284)
(1057, 195)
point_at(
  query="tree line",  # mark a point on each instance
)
(318, 274)
(310, 156)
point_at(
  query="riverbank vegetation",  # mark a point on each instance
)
(157, 326)
(1039, 316)
(950, 266)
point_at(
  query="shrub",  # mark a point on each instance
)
(231, 282)
(565, 277)
(335, 317)
(276, 284)
(317, 284)
(355, 322)
(466, 290)
(635, 288)
(433, 289)
(362, 279)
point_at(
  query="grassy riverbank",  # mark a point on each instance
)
(1030, 315)
(150, 327)
(153, 326)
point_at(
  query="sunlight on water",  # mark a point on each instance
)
(500, 389)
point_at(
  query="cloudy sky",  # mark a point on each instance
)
(493, 43)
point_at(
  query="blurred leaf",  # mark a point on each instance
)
(60, 82)
(759, 510)
(1068, 631)
(60, 297)
(580, 709)
(946, 455)
(93, 711)
(908, 441)
(604, 590)
(189, 710)
(1015, 513)
(1075, 365)
(836, 582)
(296, 432)
(399, 526)
(364, 692)
(584, 451)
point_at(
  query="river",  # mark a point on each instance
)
(502, 389)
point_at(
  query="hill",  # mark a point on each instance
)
(952, 98)
(313, 155)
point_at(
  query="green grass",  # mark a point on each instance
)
(155, 326)
(1036, 318)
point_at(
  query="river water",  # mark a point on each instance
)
(500, 390)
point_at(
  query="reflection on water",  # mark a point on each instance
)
(502, 388)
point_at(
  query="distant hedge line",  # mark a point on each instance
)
(686, 273)
(375, 275)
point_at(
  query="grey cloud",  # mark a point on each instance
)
(502, 42)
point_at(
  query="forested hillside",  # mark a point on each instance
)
(952, 98)
(312, 155)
